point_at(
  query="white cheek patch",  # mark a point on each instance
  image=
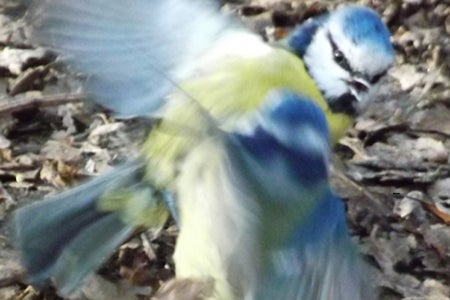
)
(328, 76)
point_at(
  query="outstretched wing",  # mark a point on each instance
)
(133, 51)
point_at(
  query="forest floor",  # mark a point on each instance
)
(392, 168)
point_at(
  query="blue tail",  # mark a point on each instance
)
(322, 263)
(67, 237)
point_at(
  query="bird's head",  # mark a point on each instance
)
(346, 52)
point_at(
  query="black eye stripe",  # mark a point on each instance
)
(338, 56)
(342, 61)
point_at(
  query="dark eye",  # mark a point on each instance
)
(338, 56)
(340, 59)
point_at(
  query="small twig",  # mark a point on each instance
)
(29, 101)
(26, 80)
(359, 188)
(429, 131)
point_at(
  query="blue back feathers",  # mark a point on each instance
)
(327, 219)
(292, 110)
(288, 127)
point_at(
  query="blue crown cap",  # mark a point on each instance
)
(361, 24)
(364, 25)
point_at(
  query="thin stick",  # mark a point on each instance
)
(20, 103)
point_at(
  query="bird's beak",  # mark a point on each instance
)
(359, 85)
(359, 88)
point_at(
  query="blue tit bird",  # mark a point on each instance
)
(179, 61)
(258, 219)
(336, 75)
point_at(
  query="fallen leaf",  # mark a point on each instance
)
(14, 60)
(408, 204)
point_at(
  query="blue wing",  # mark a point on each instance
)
(311, 255)
(292, 128)
(134, 51)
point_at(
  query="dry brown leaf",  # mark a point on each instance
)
(61, 151)
(408, 204)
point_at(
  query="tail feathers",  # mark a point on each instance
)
(334, 272)
(322, 263)
(87, 251)
(67, 237)
(331, 273)
(331, 267)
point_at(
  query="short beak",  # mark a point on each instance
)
(359, 85)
